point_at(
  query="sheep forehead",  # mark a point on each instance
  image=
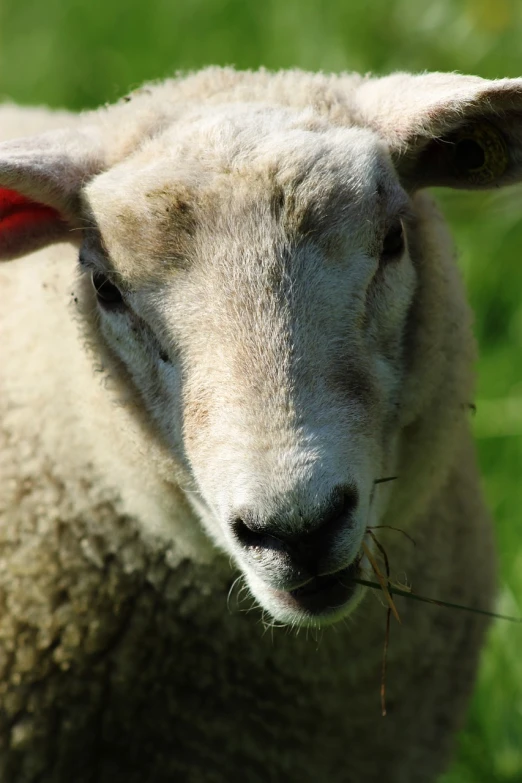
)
(217, 169)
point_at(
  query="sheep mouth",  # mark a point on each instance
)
(324, 595)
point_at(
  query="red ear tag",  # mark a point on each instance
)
(27, 225)
(18, 212)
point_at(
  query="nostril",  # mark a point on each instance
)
(329, 519)
(343, 502)
(249, 531)
(244, 530)
(335, 516)
(251, 536)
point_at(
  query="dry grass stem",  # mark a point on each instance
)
(384, 662)
(381, 579)
(408, 593)
(397, 529)
(383, 553)
(387, 631)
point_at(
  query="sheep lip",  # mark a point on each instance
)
(323, 595)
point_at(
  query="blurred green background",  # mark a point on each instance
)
(78, 54)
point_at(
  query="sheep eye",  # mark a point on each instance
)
(393, 245)
(108, 295)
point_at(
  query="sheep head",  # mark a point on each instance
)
(252, 272)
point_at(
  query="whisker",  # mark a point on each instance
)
(229, 595)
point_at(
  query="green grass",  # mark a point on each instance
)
(77, 54)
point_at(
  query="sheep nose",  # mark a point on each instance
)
(306, 541)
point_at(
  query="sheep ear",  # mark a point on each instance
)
(446, 129)
(41, 179)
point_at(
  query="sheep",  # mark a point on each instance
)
(266, 319)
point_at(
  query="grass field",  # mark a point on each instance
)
(77, 54)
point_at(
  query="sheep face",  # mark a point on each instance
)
(252, 274)
(247, 239)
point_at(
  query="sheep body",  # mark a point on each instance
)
(120, 656)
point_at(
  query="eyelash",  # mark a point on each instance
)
(110, 298)
(108, 295)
